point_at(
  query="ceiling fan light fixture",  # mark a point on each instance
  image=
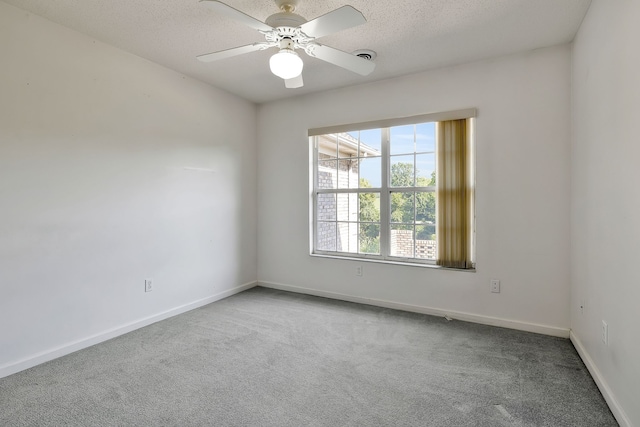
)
(286, 64)
(289, 32)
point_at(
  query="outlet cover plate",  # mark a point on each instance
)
(148, 285)
(495, 286)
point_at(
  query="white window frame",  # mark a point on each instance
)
(385, 188)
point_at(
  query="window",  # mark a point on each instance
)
(396, 191)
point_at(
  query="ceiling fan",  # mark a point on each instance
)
(289, 31)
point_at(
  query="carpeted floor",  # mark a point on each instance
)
(272, 358)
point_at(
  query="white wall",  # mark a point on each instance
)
(605, 202)
(523, 190)
(95, 195)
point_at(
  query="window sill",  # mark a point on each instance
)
(386, 261)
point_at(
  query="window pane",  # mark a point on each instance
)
(402, 207)
(326, 236)
(425, 207)
(402, 141)
(348, 173)
(401, 240)
(348, 237)
(347, 207)
(326, 208)
(327, 146)
(425, 170)
(370, 238)
(343, 207)
(353, 207)
(425, 242)
(426, 232)
(402, 171)
(327, 174)
(370, 142)
(347, 145)
(370, 172)
(426, 137)
(370, 207)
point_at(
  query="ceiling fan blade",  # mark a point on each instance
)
(332, 22)
(236, 14)
(345, 60)
(228, 53)
(293, 83)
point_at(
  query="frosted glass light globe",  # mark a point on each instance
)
(286, 64)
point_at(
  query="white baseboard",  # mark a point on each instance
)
(608, 395)
(65, 349)
(467, 317)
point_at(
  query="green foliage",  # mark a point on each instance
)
(402, 175)
(404, 206)
(426, 202)
(370, 238)
(421, 204)
(369, 212)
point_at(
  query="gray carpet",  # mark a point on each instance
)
(272, 358)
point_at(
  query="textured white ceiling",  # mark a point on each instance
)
(408, 35)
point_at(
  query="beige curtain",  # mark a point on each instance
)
(454, 194)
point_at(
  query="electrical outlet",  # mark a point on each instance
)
(605, 333)
(495, 286)
(358, 270)
(148, 285)
(583, 306)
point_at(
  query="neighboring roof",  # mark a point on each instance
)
(347, 146)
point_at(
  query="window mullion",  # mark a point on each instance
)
(347, 190)
(385, 206)
(314, 196)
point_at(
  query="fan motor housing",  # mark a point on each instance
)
(285, 19)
